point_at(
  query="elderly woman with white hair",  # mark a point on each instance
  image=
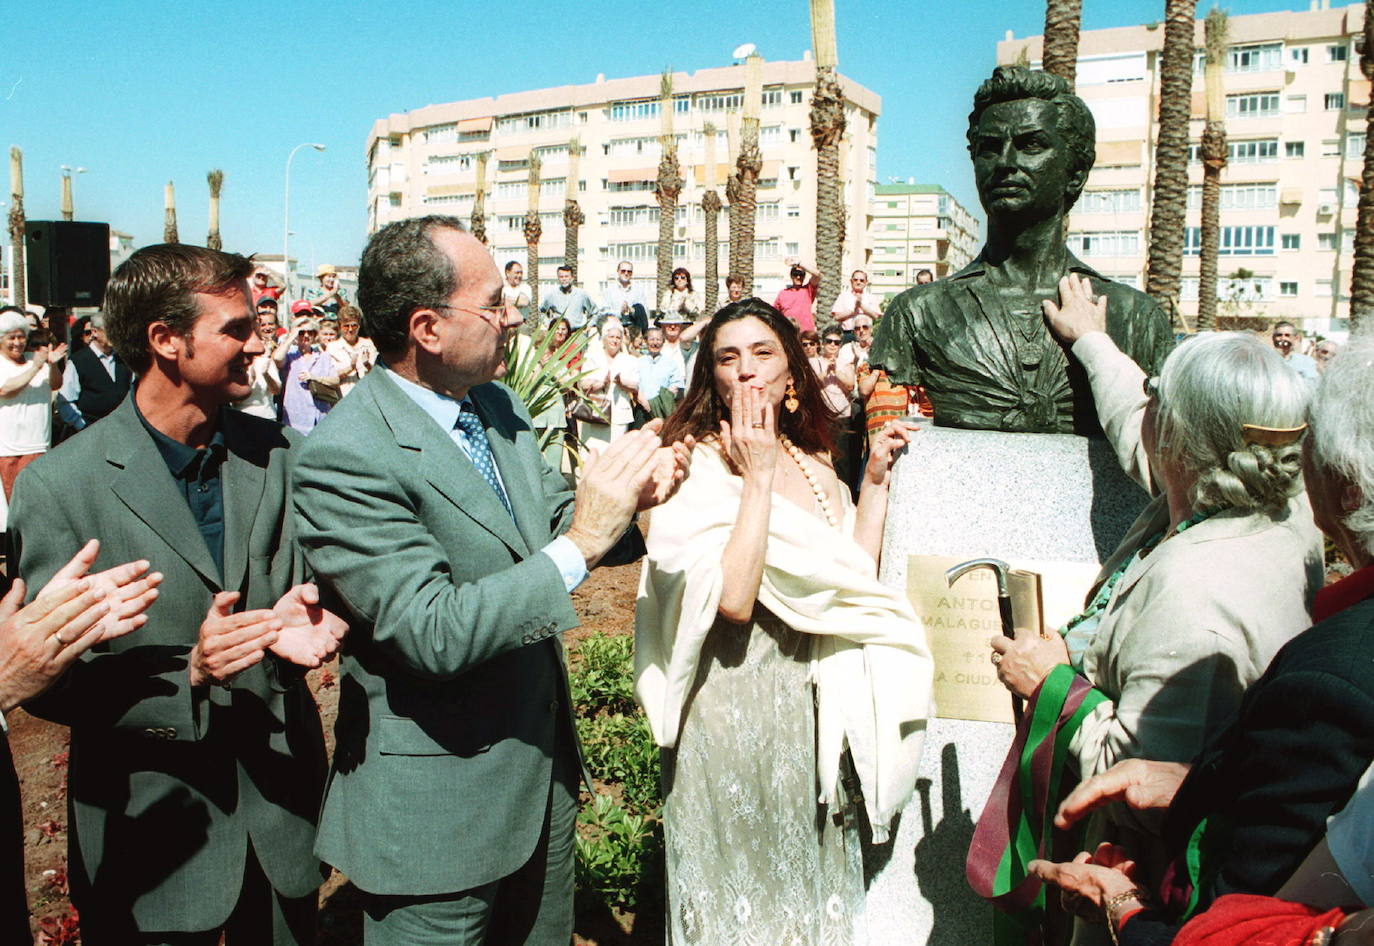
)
(27, 382)
(1215, 575)
(610, 380)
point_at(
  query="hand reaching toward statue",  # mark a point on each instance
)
(1079, 311)
(883, 450)
(309, 635)
(1023, 662)
(1140, 783)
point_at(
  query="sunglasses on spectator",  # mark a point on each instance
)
(832, 341)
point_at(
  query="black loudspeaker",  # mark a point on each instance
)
(68, 263)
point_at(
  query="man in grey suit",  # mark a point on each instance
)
(197, 759)
(423, 502)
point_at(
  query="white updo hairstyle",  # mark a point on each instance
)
(14, 322)
(1210, 387)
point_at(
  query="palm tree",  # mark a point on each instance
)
(533, 231)
(19, 288)
(169, 223)
(667, 187)
(1213, 160)
(710, 209)
(1061, 38)
(479, 202)
(573, 217)
(749, 164)
(827, 128)
(1164, 274)
(216, 181)
(1362, 278)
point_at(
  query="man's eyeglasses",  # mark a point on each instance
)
(497, 311)
(832, 341)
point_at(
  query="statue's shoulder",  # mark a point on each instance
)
(918, 299)
(1124, 297)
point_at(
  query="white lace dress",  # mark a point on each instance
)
(752, 858)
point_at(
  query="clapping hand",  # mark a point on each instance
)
(309, 634)
(72, 614)
(56, 353)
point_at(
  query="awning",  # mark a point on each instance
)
(770, 170)
(1291, 195)
(513, 153)
(625, 176)
(1115, 153)
(722, 174)
(475, 124)
(1359, 92)
(1199, 104)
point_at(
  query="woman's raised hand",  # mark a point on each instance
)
(882, 452)
(749, 439)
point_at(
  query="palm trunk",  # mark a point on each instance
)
(827, 128)
(1362, 278)
(573, 217)
(733, 221)
(1167, 215)
(479, 201)
(216, 181)
(667, 187)
(1061, 38)
(744, 205)
(710, 208)
(1213, 160)
(19, 285)
(533, 231)
(68, 211)
(169, 222)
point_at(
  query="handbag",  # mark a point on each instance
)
(324, 391)
(593, 410)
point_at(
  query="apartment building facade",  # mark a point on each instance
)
(425, 161)
(1295, 126)
(914, 227)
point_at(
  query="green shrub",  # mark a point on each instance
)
(620, 749)
(603, 675)
(619, 856)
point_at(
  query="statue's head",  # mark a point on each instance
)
(1032, 142)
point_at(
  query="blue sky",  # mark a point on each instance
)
(143, 91)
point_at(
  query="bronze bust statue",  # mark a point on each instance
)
(977, 340)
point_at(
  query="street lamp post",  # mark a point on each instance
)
(286, 219)
(67, 171)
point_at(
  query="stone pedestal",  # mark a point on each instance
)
(1026, 499)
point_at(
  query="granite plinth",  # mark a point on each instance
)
(975, 493)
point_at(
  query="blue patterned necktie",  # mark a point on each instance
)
(479, 451)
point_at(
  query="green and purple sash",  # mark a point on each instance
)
(1017, 823)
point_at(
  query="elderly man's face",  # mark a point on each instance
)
(564, 278)
(1021, 162)
(653, 339)
(858, 282)
(1283, 337)
(1324, 353)
(514, 275)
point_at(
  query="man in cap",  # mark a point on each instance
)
(797, 300)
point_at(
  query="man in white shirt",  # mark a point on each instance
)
(853, 302)
(1285, 337)
(94, 381)
(515, 293)
(625, 300)
(567, 301)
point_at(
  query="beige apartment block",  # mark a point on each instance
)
(914, 227)
(425, 161)
(1295, 126)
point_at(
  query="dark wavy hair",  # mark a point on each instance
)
(682, 270)
(811, 427)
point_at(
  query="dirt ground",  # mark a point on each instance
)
(605, 603)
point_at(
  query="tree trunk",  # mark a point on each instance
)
(744, 205)
(1167, 215)
(733, 222)
(169, 221)
(533, 231)
(478, 224)
(710, 209)
(1213, 160)
(666, 188)
(216, 181)
(19, 286)
(573, 217)
(1362, 278)
(1061, 38)
(827, 128)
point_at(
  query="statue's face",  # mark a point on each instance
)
(1021, 163)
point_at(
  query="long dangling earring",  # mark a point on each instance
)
(791, 402)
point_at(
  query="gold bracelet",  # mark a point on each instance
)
(1110, 905)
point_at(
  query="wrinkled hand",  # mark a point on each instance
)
(612, 488)
(749, 439)
(1138, 782)
(883, 450)
(1024, 661)
(230, 643)
(70, 615)
(309, 634)
(1090, 879)
(1079, 311)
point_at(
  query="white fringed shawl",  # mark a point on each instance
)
(870, 661)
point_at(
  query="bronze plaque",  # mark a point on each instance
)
(959, 621)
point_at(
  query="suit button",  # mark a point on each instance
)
(169, 733)
(151, 733)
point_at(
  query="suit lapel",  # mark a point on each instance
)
(141, 480)
(243, 482)
(526, 497)
(444, 464)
